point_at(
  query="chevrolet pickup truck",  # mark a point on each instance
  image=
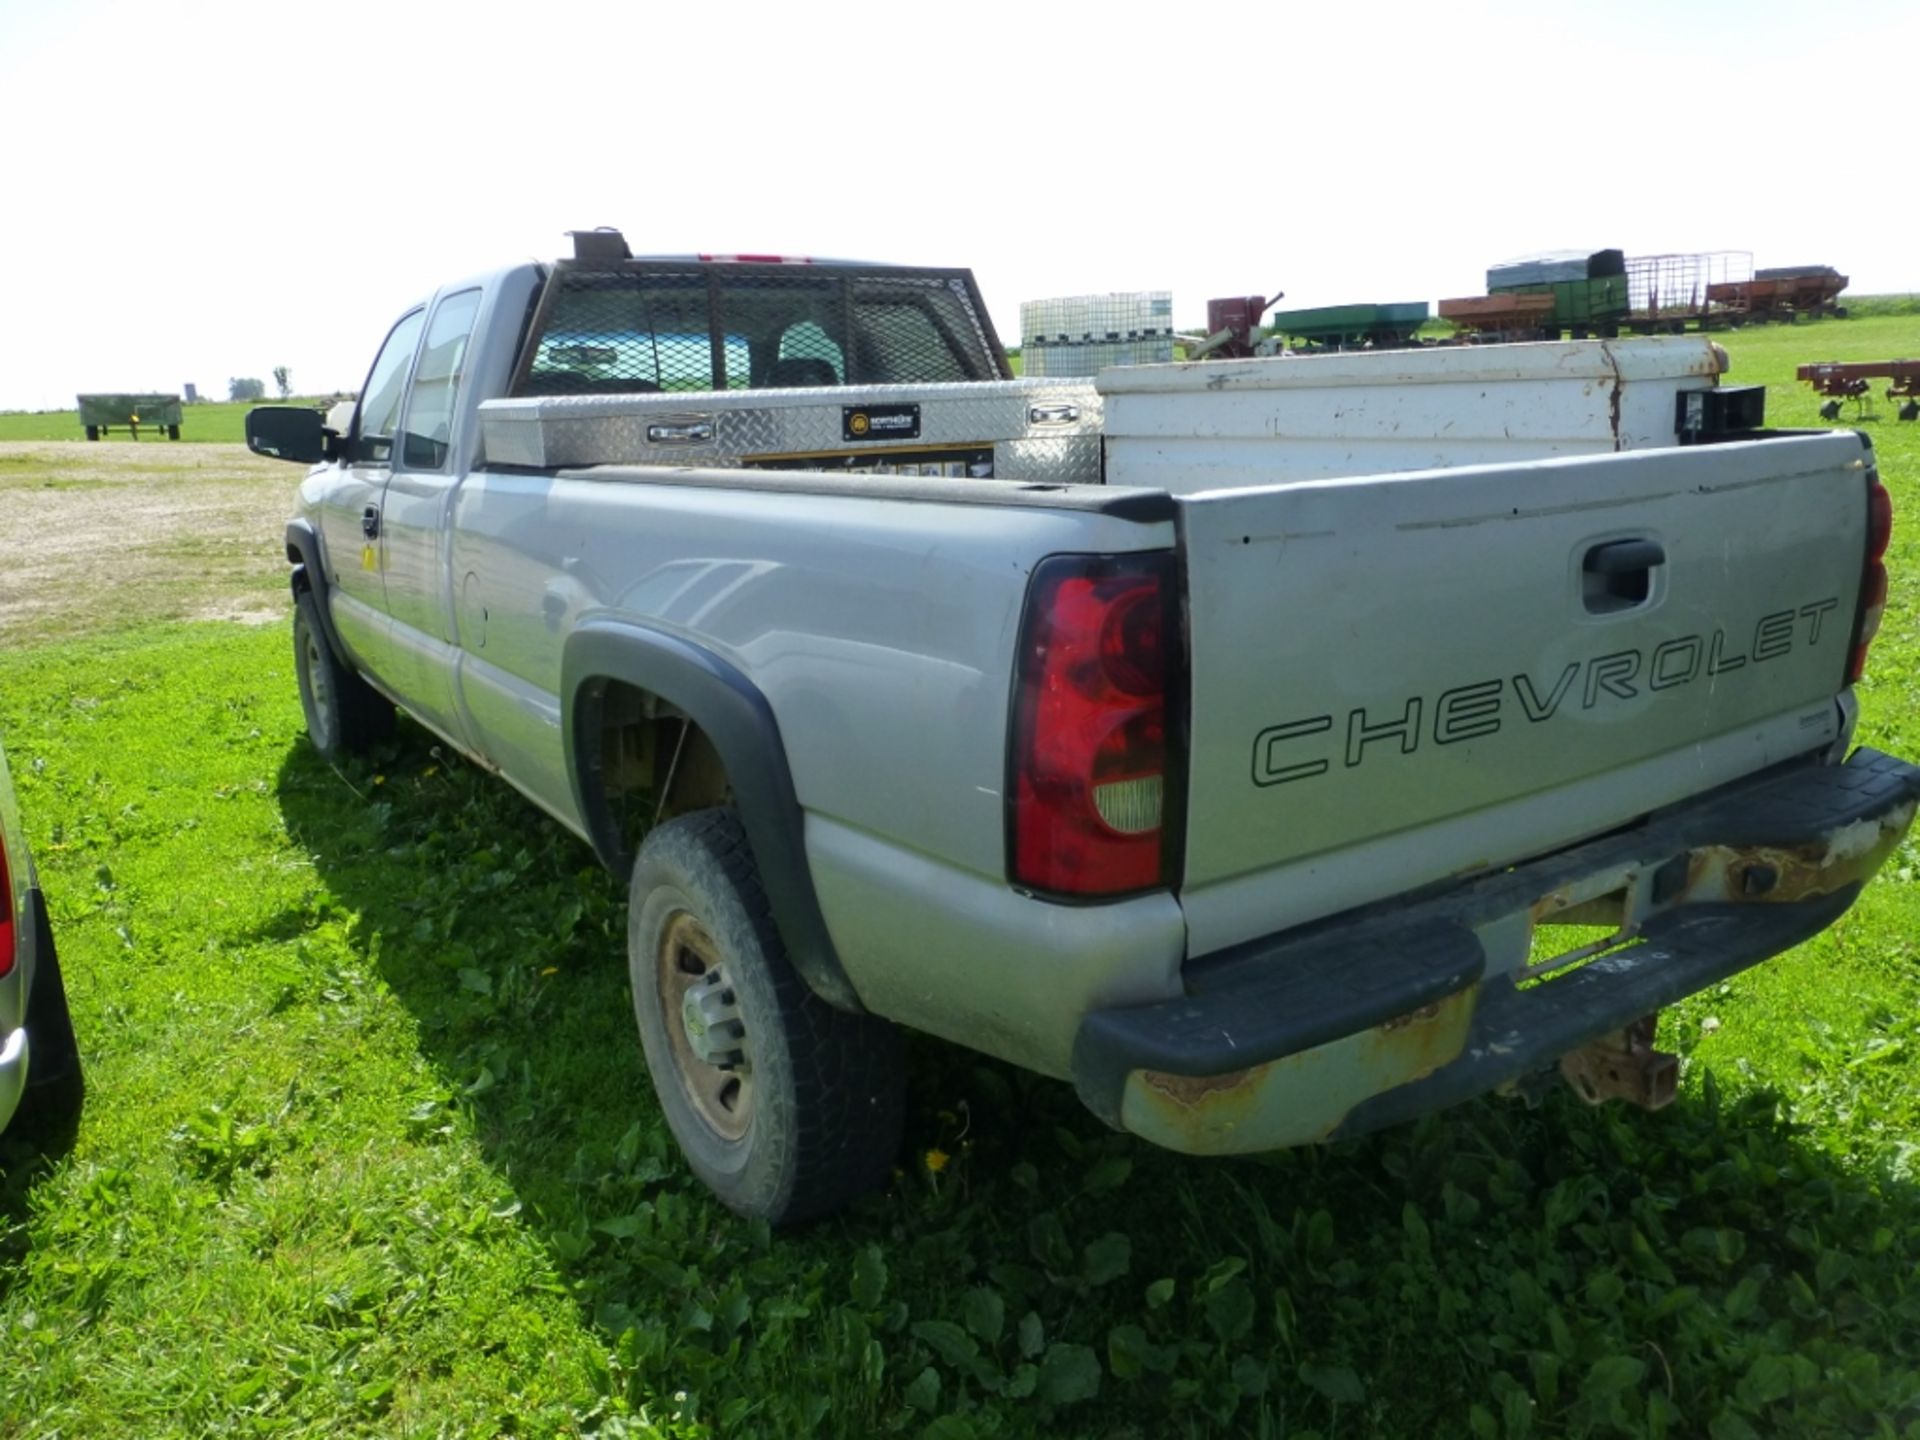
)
(1267, 803)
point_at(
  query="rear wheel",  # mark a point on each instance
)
(345, 715)
(786, 1107)
(93, 432)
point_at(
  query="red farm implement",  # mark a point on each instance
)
(1855, 382)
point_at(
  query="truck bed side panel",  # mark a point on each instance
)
(881, 631)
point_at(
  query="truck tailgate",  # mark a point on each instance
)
(1396, 679)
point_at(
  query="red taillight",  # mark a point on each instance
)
(1873, 577)
(1879, 519)
(1092, 756)
(7, 946)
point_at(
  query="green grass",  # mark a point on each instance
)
(370, 1151)
(1873, 305)
(215, 422)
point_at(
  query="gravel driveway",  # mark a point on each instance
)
(99, 536)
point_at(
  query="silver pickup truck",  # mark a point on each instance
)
(1272, 807)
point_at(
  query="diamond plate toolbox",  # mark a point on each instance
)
(1037, 430)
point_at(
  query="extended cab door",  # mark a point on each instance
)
(414, 519)
(350, 517)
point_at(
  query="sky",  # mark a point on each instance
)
(201, 191)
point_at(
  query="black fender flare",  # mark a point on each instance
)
(308, 576)
(715, 695)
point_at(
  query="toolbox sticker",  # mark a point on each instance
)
(879, 422)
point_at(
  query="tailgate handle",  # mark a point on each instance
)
(1618, 575)
(1624, 557)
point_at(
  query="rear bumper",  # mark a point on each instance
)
(1375, 1017)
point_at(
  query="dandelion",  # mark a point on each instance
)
(936, 1160)
(551, 970)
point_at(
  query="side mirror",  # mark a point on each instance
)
(290, 432)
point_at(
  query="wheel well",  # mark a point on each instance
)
(655, 762)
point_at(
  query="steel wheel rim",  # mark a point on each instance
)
(320, 721)
(721, 1096)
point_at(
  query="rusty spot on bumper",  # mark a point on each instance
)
(1194, 1090)
(1781, 875)
(1298, 1098)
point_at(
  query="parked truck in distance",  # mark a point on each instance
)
(1232, 741)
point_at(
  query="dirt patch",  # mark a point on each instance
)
(97, 537)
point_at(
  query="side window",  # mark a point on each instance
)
(386, 386)
(436, 381)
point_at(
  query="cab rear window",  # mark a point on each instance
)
(645, 327)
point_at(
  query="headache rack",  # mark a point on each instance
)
(610, 323)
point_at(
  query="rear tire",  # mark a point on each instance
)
(93, 432)
(345, 715)
(787, 1108)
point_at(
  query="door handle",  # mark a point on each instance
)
(370, 522)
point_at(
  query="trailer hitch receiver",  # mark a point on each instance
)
(1624, 1066)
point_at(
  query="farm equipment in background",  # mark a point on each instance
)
(1783, 292)
(1589, 290)
(1607, 293)
(1231, 322)
(1854, 381)
(1666, 293)
(1500, 317)
(100, 414)
(1349, 327)
(1581, 292)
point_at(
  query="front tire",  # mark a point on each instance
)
(345, 715)
(787, 1108)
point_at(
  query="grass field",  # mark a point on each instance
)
(369, 1148)
(211, 423)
